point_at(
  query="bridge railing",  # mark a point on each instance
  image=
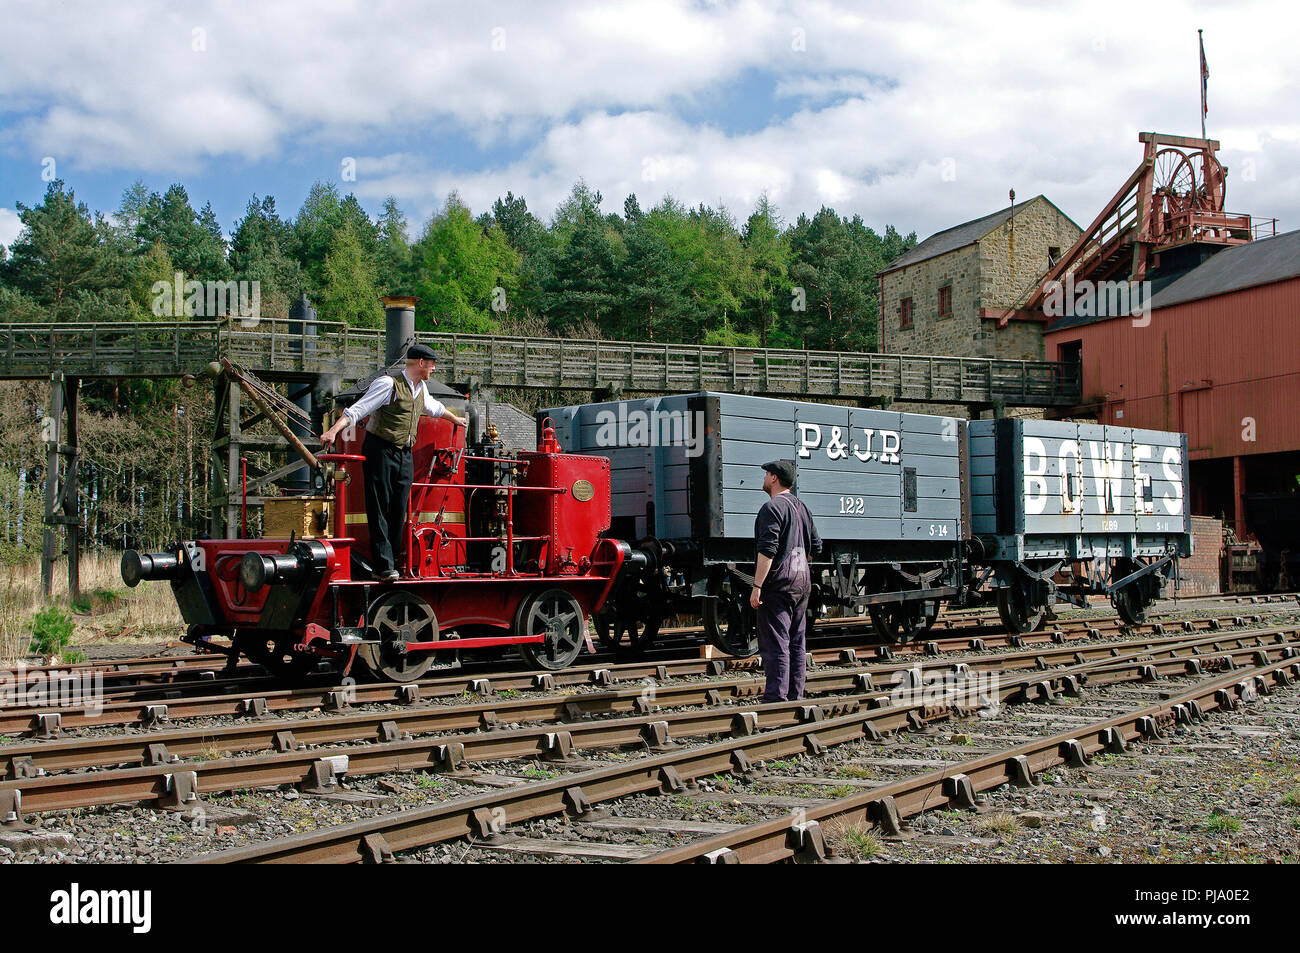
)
(579, 364)
(125, 349)
(282, 346)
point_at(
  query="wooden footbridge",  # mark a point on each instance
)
(282, 349)
(322, 358)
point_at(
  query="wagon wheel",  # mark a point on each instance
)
(729, 621)
(1017, 612)
(401, 617)
(899, 621)
(629, 620)
(1133, 600)
(555, 615)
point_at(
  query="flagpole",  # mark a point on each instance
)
(1201, 70)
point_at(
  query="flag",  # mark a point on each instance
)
(1205, 75)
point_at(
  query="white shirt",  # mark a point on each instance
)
(380, 394)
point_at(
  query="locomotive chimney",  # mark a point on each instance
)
(399, 326)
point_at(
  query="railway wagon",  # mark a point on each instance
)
(1069, 509)
(888, 492)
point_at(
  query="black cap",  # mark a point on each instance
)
(784, 470)
(420, 352)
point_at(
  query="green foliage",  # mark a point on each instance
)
(192, 240)
(51, 631)
(61, 253)
(260, 251)
(348, 282)
(394, 266)
(457, 267)
(857, 841)
(1219, 823)
(669, 274)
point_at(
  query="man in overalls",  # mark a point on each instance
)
(785, 537)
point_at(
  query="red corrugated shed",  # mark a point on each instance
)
(1224, 369)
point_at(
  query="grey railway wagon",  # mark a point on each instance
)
(887, 490)
(1054, 489)
(687, 467)
(1077, 508)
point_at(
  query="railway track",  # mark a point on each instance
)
(160, 747)
(885, 808)
(327, 746)
(256, 695)
(817, 730)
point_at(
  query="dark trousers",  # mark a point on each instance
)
(782, 618)
(388, 484)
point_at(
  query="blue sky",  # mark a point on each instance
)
(918, 114)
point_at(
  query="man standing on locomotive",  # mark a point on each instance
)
(394, 403)
(785, 536)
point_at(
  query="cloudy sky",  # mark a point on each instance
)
(915, 113)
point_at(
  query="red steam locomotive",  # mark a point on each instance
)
(501, 550)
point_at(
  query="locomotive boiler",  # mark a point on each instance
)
(501, 550)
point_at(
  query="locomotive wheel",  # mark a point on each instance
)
(898, 621)
(557, 616)
(1016, 612)
(629, 621)
(729, 621)
(400, 617)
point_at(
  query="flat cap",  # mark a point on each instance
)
(420, 352)
(784, 470)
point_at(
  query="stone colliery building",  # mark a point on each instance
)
(945, 296)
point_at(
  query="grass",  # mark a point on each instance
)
(534, 773)
(428, 781)
(856, 841)
(1292, 798)
(855, 771)
(842, 790)
(213, 753)
(1002, 824)
(108, 610)
(1222, 824)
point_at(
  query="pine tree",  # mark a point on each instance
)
(59, 253)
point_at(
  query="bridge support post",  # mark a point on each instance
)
(234, 434)
(61, 485)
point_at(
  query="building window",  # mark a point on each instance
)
(945, 301)
(1053, 255)
(905, 313)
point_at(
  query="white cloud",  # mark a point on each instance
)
(893, 100)
(9, 226)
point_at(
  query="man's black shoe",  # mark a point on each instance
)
(390, 575)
